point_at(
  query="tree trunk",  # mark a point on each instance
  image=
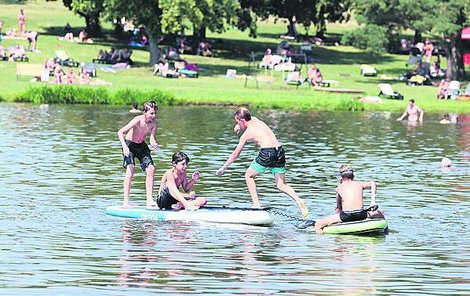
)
(321, 24)
(417, 38)
(93, 26)
(292, 28)
(155, 53)
(455, 66)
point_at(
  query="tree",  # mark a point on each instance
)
(143, 12)
(305, 12)
(90, 10)
(214, 15)
(443, 17)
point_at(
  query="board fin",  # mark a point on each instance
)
(305, 224)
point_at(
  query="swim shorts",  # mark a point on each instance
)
(272, 158)
(165, 200)
(139, 150)
(356, 215)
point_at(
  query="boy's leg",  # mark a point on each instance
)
(282, 186)
(127, 184)
(149, 182)
(250, 182)
(325, 222)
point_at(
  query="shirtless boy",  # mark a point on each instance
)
(412, 111)
(169, 196)
(271, 157)
(349, 200)
(133, 145)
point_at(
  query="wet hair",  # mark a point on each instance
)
(243, 113)
(345, 171)
(412, 101)
(150, 105)
(179, 156)
(135, 105)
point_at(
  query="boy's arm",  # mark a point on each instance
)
(170, 183)
(124, 130)
(153, 141)
(373, 191)
(235, 154)
(402, 116)
(189, 185)
(339, 203)
(421, 115)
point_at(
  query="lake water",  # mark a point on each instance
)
(61, 166)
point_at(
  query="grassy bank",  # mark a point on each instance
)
(339, 63)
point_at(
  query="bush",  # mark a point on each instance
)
(64, 94)
(350, 105)
(371, 38)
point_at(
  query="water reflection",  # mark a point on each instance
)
(62, 167)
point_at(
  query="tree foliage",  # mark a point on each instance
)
(90, 10)
(444, 18)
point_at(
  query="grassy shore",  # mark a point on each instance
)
(340, 63)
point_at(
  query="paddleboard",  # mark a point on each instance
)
(367, 226)
(249, 216)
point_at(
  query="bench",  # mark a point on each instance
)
(28, 70)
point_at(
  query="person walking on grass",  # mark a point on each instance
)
(271, 157)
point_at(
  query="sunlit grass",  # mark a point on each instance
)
(232, 48)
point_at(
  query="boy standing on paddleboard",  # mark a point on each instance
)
(169, 196)
(271, 157)
(349, 200)
(132, 137)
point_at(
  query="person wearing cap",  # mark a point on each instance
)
(446, 163)
(350, 200)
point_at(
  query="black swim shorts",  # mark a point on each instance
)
(356, 215)
(139, 150)
(165, 200)
(272, 157)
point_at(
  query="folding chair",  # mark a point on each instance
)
(387, 91)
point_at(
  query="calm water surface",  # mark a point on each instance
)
(61, 166)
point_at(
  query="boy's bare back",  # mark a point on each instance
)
(257, 131)
(351, 193)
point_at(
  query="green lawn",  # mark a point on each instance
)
(341, 63)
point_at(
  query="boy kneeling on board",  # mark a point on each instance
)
(349, 200)
(169, 196)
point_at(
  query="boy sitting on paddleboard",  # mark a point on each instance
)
(133, 145)
(169, 196)
(349, 200)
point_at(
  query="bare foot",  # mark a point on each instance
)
(303, 209)
(125, 206)
(151, 204)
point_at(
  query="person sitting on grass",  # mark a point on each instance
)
(350, 201)
(443, 92)
(83, 37)
(3, 55)
(314, 76)
(16, 52)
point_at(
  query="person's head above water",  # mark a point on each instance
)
(446, 162)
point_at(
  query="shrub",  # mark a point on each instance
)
(350, 105)
(371, 38)
(65, 94)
